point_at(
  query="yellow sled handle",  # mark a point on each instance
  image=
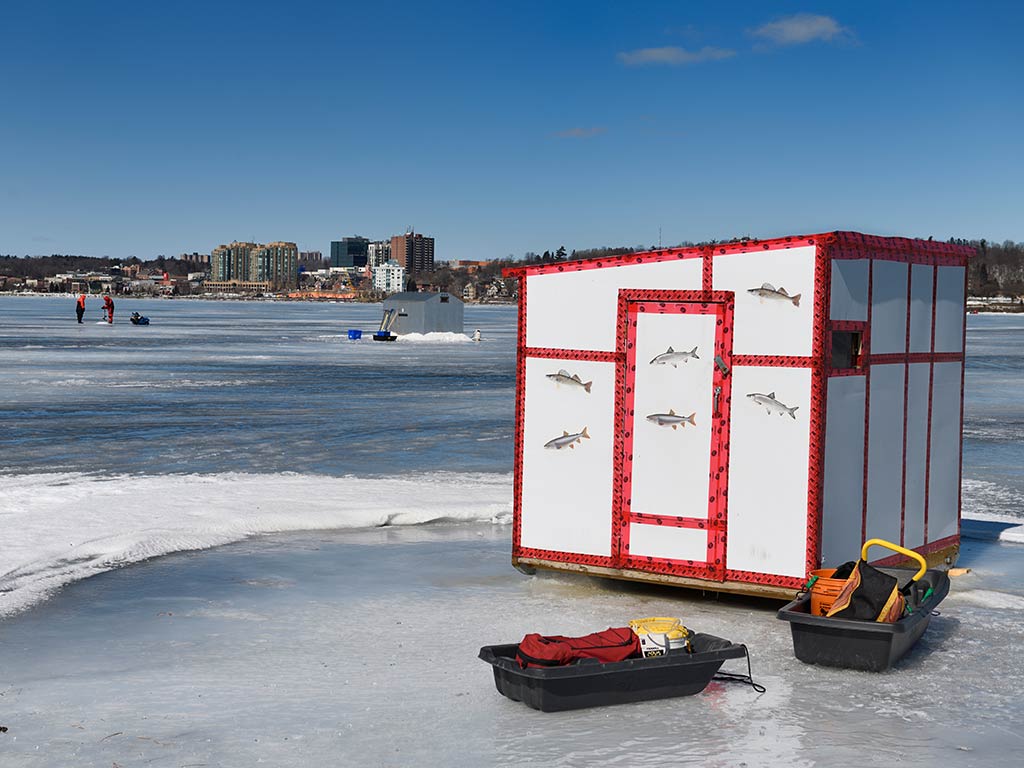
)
(896, 548)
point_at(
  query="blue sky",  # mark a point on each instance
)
(131, 128)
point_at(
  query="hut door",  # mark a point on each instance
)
(676, 409)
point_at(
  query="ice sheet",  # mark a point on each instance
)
(359, 648)
(58, 528)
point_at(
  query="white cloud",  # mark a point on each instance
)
(580, 133)
(673, 56)
(801, 28)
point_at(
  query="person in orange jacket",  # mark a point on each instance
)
(80, 307)
(108, 307)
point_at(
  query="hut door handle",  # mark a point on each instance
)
(718, 398)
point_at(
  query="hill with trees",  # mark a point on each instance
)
(40, 267)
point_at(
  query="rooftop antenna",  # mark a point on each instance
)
(659, 238)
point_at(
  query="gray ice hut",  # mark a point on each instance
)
(414, 312)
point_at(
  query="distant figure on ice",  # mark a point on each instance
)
(108, 308)
(138, 319)
(80, 307)
(476, 335)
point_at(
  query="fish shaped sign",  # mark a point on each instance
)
(567, 440)
(672, 419)
(771, 405)
(767, 291)
(573, 380)
(671, 357)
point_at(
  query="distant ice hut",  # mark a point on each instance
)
(731, 417)
(424, 313)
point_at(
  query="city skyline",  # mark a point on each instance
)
(506, 130)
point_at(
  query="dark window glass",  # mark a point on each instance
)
(846, 349)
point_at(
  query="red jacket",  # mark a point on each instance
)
(613, 644)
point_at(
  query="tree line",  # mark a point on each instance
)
(997, 269)
(40, 267)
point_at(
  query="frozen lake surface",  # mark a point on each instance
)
(331, 524)
(359, 649)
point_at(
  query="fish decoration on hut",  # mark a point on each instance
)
(768, 291)
(672, 419)
(571, 380)
(771, 405)
(567, 440)
(673, 358)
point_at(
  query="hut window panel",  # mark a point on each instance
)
(849, 289)
(949, 309)
(889, 307)
(921, 279)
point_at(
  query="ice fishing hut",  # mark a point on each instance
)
(731, 417)
(415, 312)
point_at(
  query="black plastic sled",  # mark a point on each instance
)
(866, 645)
(590, 683)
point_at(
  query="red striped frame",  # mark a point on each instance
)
(840, 244)
(721, 304)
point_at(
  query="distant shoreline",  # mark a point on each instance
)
(997, 308)
(220, 297)
(975, 305)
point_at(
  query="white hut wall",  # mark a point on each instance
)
(886, 385)
(567, 495)
(943, 514)
(577, 309)
(846, 395)
(900, 411)
(769, 453)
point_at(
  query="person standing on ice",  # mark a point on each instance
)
(108, 308)
(80, 308)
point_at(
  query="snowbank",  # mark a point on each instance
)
(58, 528)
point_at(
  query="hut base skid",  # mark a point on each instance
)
(728, 418)
(940, 560)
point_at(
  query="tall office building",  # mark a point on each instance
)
(276, 264)
(349, 252)
(271, 267)
(414, 252)
(378, 252)
(231, 262)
